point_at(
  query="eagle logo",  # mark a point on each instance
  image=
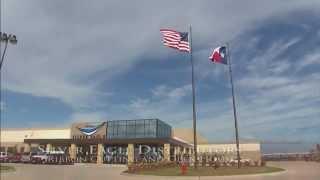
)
(90, 129)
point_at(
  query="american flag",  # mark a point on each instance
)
(176, 40)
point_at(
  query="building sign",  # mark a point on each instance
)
(118, 154)
(88, 130)
(115, 154)
(148, 153)
(87, 153)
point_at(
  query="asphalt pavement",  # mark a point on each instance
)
(294, 171)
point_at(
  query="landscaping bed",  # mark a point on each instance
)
(171, 169)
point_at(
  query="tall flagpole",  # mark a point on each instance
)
(234, 106)
(193, 105)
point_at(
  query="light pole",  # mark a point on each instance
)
(6, 39)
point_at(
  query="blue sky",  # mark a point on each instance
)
(94, 61)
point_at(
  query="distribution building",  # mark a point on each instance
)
(121, 142)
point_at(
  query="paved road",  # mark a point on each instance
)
(295, 171)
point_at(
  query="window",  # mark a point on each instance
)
(143, 128)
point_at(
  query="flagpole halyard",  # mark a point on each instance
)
(234, 106)
(193, 104)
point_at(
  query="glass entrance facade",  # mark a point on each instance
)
(142, 128)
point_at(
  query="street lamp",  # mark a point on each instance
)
(4, 37)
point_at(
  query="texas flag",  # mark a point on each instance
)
(219, 55)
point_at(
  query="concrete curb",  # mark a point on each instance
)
(225, 176)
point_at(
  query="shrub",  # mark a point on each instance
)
(225, 164)
(211, 163)
(233, 163)
(143, 166)
(216, 165)
(247, 163)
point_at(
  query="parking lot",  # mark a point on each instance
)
(294, 171)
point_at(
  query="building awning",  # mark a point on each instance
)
(109, 141)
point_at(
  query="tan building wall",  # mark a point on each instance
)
(18, 135)
(187, 135)
(228, 147)
(250, 151)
